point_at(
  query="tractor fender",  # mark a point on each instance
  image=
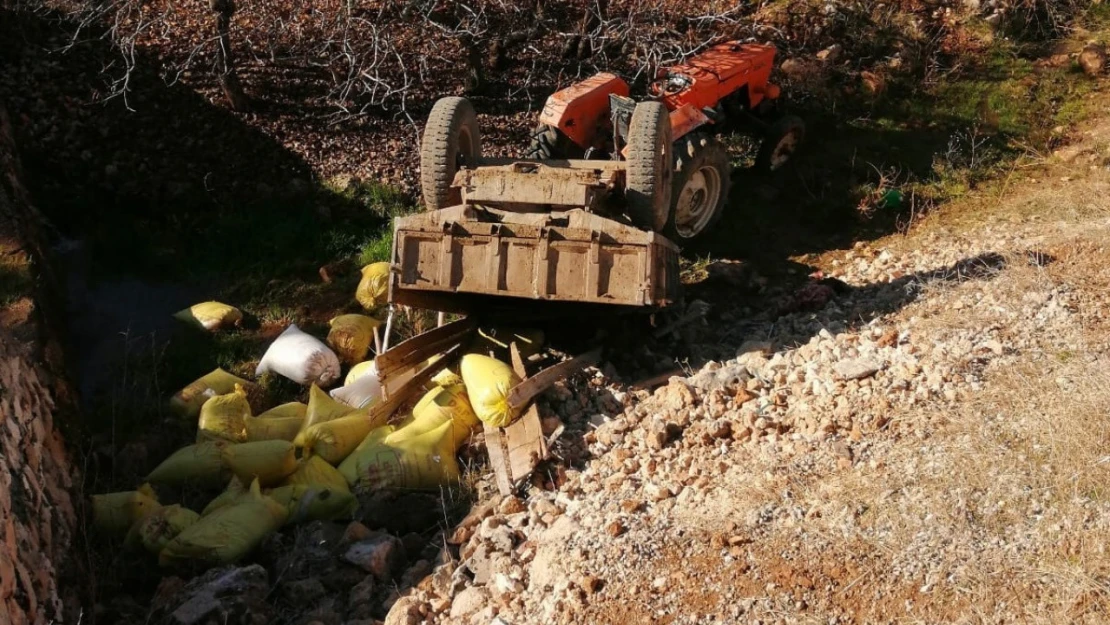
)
(577, 110)
(685, 119)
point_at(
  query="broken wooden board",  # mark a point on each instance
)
(523, 393)
(516, 450)
(382, 410)
(413, 353)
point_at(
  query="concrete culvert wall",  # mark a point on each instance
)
(38, 518)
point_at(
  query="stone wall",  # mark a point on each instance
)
(38, 520)
(37, 517)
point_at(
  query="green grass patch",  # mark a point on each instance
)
(378, 248)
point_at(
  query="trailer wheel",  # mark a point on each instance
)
(648, 188)
(701, 183)
(451, 139)
(779, 144)
(548, 143)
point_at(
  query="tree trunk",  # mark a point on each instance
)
(476, 76)
(225, 61)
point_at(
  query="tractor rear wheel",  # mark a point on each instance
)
(779, 144)
(701, 182)
(451, 139)
(648, 184)
(548, 143)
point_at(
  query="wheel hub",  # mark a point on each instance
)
(697, 202)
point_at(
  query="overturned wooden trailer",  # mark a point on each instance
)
(523, 240)
(531, 236)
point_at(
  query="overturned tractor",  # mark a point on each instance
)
(604, 195)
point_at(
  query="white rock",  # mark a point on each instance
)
(857, 369)
(469, 601)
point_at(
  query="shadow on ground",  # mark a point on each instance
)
(159, 199)
(793, 315)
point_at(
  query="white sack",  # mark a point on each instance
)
(363, 391)
(300, 357)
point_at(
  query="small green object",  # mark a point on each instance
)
(891, 199)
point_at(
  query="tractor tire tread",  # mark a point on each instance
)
(440, 143)
(648, 188)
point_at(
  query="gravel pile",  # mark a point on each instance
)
(668, 493)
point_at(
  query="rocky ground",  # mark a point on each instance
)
(838, 469)
(924, 440)
(913, 433)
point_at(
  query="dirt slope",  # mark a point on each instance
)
(928, 447)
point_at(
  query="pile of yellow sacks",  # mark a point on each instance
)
(296, 462)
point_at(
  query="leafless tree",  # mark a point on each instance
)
(225, 60)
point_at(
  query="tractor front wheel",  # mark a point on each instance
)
(783, 138)
(701, 183)
(451, 140)
(649, 169)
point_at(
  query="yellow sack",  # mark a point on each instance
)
(227, 534)
(272, 428)
(286, 411)
(224, 417)
(425, 461)
(439, 406)
(373, 289)
(188, 401)
(307, 502)
(199, 464)
(446, 378)
(210, 316)
(488, 382)
(117, 512)
(158, 528)
(269, 462)
(349, 467)
(359, 370)
(321, 409)
(335, 440)
(315, 471)
(351, 335)
(235, 489)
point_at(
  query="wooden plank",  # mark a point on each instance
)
(381, 411)
(518, 362)
(495, 447)
(529, 388)
(515, 450)
(523, 438)
(412, 352)
(525, 443)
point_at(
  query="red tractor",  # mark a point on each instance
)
(596, 210)
(674, 170)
